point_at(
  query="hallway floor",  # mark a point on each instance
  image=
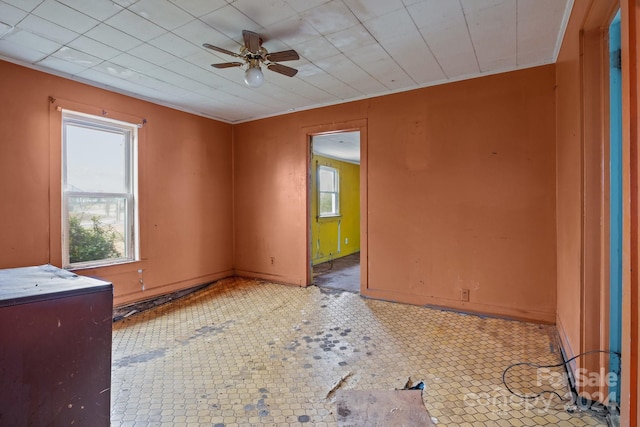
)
(341, 273)
(243, 352)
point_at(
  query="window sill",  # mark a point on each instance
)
(115, 268)
(329, 217)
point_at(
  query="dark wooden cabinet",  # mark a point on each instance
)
(55, 348)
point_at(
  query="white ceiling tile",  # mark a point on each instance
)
(330, 84)
(265, 12)
(26, 5)
(199, 8)
(197, 32)
(5, 29)
(492, 25)
(113, 37)
(152, 54)
(125, 3)
(20, 52)
(98, 9)
(175, 45)
(537, 31)
(351, 39)
(33, 41)
(410, 2)
(161, 12)
(203, 60)
(61, 65)
(47, 30)
(344, 69)
(390, 25)
(443, 25)
(331, 17)
(230, 21)
(10, 14)
(316, 49)
(415, 58)
(303, 5)
(77, 57)
(65, 16)
(206, 76)
(134, 25)
(369, 9)
(133, 63)
(92, 47)
(291, 31)
(375, 59)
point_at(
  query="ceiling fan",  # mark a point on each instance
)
(253, 54)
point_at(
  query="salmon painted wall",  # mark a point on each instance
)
(569, 185)
(461, 194)
(325, 231)
(185, 186)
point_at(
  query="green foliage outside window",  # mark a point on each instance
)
(93, 243)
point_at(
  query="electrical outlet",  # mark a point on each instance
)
(346, 240)
(273, 260)
(464, 294)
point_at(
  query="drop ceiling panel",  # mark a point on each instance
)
(369, 9)
(92, 47)
(492, 25)
(230, 21)
(267, 13)
(97, 9)
(62, 66)
(10, 14)
(331, 17)
(26, 5)
(422, 68)
(135, 25)
(47, 30)
(19, 52)
(198, 8)
(442, 25)
(65, 16)
(349, 49)
(537, 31)
(112, 37)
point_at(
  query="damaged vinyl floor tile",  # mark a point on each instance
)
(250, 353)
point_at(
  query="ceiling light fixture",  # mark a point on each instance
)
(253, 76)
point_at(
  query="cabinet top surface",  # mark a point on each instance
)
(25, 284)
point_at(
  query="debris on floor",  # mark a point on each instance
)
(381, 408)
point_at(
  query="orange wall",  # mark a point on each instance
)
(185, 186)
(569, 181)
(461, 194)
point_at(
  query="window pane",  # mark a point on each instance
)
(95, 160)
(327, 181)
(327, 203)
(97, 228)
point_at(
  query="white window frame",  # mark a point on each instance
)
(130, 195)
(336, 194)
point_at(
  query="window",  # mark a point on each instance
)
(98, 190)
(328, 191)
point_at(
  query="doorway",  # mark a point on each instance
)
(335, 210)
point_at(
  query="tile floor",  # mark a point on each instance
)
(248, 353)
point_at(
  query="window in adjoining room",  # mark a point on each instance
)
(328, 191)
(99, 175)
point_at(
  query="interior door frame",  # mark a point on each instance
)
(337, 127)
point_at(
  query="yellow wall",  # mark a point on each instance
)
(324, 231)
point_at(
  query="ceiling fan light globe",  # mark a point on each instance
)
(253, 77)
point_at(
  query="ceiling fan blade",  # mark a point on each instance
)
(285, 55)
(251, 41)
(228, 65)
(283, 69)
(221, 50)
